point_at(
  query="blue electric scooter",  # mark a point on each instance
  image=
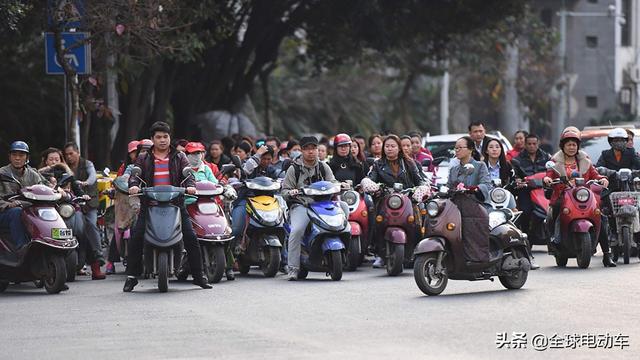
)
(323, 245)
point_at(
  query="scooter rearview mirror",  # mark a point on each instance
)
(549, 165)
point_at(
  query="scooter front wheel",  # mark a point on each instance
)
(163, 272)
(395, 259)
(354, 256)
(271, 262)
(626, 244)
(424, 273)
(72, 264)
(336, 265)
(56, 274)
(3, 285)
(215, 262)
(585, 252)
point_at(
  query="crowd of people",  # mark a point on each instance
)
(379, 159)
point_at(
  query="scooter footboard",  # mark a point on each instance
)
(395, 235)
(430, 244)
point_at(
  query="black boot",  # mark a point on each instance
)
(201, 281)
(130, 284)
(606, 260)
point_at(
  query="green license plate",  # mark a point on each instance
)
(61, 234)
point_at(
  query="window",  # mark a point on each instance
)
(625, 23)
(592, 42)
(592, 101)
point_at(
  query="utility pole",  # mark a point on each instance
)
(444, 103)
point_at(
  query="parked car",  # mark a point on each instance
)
(442, 146)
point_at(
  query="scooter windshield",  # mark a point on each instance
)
(163, 193)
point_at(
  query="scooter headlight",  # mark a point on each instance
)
(66, 210)
(350, 197)
(271, 216)
(395, 202)
(582, 195)
(433, 209)
(498, 195)
(497, 218)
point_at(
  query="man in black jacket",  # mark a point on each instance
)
(619, 156)
(163, 165)
(527, 163)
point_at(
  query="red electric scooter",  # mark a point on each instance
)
(359, 221)
(212, 229)
(537, 231)
(580, 220)
(395, 223)
(50, 241)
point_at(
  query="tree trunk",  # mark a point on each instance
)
(510, 119)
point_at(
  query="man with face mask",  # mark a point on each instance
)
(619, 156)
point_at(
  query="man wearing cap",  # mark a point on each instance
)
(303, 171)
(11, 211)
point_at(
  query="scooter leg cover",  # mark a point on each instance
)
(475, 228)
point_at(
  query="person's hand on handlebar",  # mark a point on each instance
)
(547, 180)
(191, 190)
(134, 190)
(604, 182)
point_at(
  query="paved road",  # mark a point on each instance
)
(367, 315)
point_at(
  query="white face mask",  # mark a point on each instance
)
(195, 160)
(295, 154)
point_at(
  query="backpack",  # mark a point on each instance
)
(298, 170)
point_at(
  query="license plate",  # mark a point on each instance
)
(626, 201)
(61, 234)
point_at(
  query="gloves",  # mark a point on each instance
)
(230, 193)
(421, 192)
(369, 186)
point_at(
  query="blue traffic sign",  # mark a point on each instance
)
(79, 57)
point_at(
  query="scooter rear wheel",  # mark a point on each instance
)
(424, 275)
(3, 285)
(56, 274)
(163, 272)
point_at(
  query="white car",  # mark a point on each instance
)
(441, 147)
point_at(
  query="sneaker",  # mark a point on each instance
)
(378, 263)
(230, 275)
(293, 274)
(110, 269)
(130, 284)
(534, 265)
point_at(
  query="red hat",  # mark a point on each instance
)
(194, 147)
(133, 146)
(145, 144)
